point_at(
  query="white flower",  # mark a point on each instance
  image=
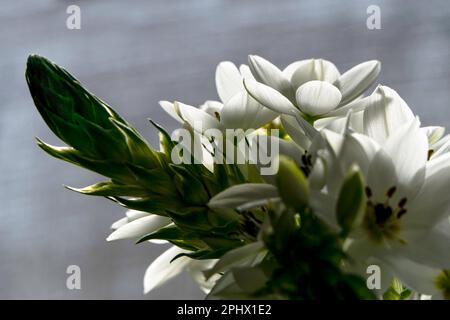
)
(237, 110)
(406, 216)
(314, 87)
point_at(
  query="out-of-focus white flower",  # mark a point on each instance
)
(405, 224)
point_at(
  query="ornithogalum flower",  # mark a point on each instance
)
(314, 87)
(405, 220)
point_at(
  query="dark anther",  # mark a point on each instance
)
(309, 161)
(391, 192)
(401, 213)
(402, 202)
(306, 170)
(368, 192)
(430, 153)
(382, 213)
(304, 160)
(217, 115)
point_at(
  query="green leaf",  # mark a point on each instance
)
(292, 184)
(350, 206)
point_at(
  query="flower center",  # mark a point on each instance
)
(382, 219)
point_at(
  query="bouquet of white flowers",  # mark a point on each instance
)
(293, 186)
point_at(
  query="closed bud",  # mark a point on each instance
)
(292, 184)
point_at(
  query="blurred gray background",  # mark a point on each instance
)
(134, 53)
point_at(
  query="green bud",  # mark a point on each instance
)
(350, 206)
(292, 184)
(82, 120)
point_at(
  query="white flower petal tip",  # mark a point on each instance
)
(269, 74)
(139, 227)
(313, 69)
(269, 97)
(356, 80)
(171, 109)
(198, 119)
(228, 80)
(162, 269)
(317, 97)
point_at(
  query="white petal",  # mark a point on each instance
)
(356, 80)
(386, 112)
(228, 80)
(162, 270)
(225, 287)
(444, 140)
(440, 151)
(196, 269)
(307, 127)
(430, 246)
(413, 275)
(140, 227)
(198, 119)
(269, 97)
(408, 149)
(324, 206)
(242, 194)
(244, 112)
(294, 131)
(119, 223)
(434, 133)
(212, 108)
(314, 69)
(240, 256)
(290, 149)
(432, 202)
(135, 214)
(437, 164)
(268, 74)
(285, 147)
(354, 106)
(131, 215)
(290, 69)
(336, 124)
(317, 97)
(171, 109)
(356, 149)
(246, 72)
(382, 175)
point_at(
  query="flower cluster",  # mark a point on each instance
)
(360, 183)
